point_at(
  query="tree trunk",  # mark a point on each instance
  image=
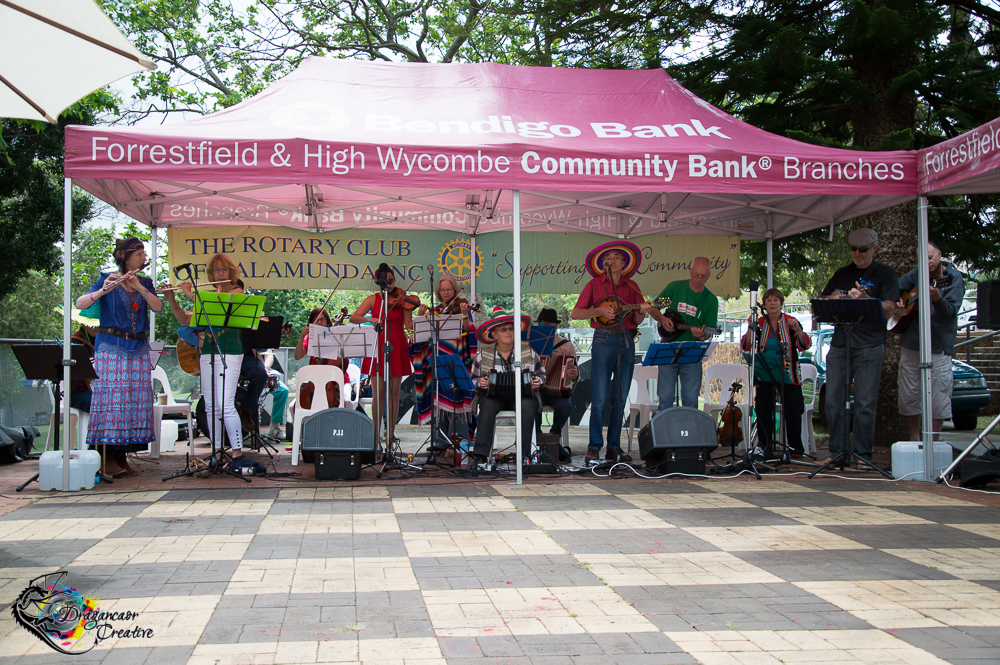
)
(873, 120)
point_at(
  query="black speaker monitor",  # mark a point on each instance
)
(988, 305)
(339, 430)
(678, 440)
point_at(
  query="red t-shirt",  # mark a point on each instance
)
(600, 287)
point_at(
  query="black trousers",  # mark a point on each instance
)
(766, 396)
(487, 421)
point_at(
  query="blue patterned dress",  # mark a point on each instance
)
(121, 409)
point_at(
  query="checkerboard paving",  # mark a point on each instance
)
(711, 572)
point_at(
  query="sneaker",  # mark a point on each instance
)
(276, 431)
(592, 456)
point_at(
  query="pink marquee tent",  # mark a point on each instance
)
(476, 148)
(966, 164)
(413, 145)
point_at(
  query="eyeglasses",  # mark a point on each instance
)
(505, 329)
(861, 250)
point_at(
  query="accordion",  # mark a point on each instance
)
(557, 384)
(501, 385)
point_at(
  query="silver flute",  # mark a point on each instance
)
(108, 286)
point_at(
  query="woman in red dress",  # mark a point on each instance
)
(400, 320)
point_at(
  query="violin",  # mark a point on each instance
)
(340, 318)
(398, 297)
(730, 430)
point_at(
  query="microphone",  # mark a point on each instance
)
(183, 266)
(430, 268)
(754, 285)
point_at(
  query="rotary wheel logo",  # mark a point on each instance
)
(455, 260)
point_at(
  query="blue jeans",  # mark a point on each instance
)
(605, 351)
(666, 385)
(866, 366)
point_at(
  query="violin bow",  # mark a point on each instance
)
(329, 297)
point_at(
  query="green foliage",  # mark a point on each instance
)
(29, 310)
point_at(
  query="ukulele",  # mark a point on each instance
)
(621, 310)
(680, 328)
(904, 316)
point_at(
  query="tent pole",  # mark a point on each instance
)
(924, 321)
(517, 334)
(152, 251)
(67, 317)
(472, 278)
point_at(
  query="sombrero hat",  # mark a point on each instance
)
(90, 317)
(486, 331)
(633, 257)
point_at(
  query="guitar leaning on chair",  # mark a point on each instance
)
(622, 309)
(904, 316)
(680, 328)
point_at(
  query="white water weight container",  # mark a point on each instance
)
(908, 460)
(83, 466)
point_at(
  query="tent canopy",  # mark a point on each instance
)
(442, 146)
(966, 164)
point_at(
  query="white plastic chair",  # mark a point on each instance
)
(809, 373)
(512, 415)
(727, 373)
(641, 403)
(319, 376)
(160, 374)
(564, 437)
(352, 387)
(78, 423)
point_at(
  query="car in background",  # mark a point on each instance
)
(969, 395)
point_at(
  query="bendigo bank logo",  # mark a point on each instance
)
(456, 259)
(62, 618)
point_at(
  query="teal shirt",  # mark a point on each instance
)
(769, 365)
(229, 342)
(685, 302)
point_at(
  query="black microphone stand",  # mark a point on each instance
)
(215, 465)
(391, 457)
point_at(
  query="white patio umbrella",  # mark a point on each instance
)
(54, 52)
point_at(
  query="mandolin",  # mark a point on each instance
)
(904, 316)
(622, 309)
(188, 358)
(680, 328)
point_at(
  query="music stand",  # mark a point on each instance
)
(266, 336)
(848, 312)
(678, 353)
(44, 362)
(339, 342)
(451, 375)
(540, 338)
(431, 329)
(216, 310)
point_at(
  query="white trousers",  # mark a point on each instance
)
(226, 381)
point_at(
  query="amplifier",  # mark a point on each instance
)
(337, 464)
(339, 429)
(988, 305)
(678, 440)
(977, 472)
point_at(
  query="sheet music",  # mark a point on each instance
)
(450, 327)
(337, 342)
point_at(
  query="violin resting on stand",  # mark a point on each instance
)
(730, 430)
